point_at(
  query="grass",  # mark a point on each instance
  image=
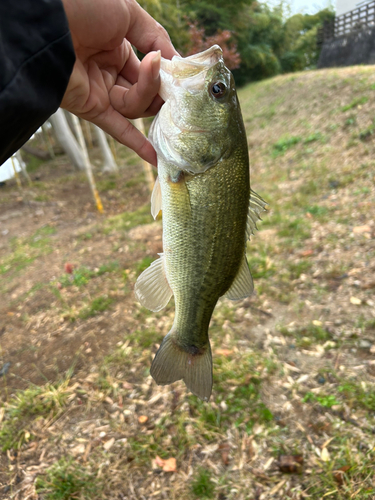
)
(66, 480)
(288, 374)
(202, 485)
(24, 251)
(82, 275)
(128, 220)
(25, 408)
(96, 306)
(358, 101)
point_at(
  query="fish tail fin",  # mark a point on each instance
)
(193, 365)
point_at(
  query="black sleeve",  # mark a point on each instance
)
(36, 60)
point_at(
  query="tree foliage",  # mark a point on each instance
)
(258, 41)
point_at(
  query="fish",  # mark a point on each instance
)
(208, 212)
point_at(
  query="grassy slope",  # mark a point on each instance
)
(294, 369)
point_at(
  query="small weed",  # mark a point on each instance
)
(299, 267)
(350, 121)
(317, 211)
(26, 250)
(325, 401)
(82, 275)
(107, 184)
(99, 304)
(281, 146)
(128, 220)
(202, 485)
(25, 405)
(362, 395)
(358, 101)
(295, 230)
(66, 480)
(261, 266)
(317, 136)
(367, 133)
(144, 264)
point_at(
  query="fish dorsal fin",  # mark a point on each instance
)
(256, 207)
(242, 285)
(152, 288)
(156, 199)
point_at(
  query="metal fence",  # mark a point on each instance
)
(353, 21)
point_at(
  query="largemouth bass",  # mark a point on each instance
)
(209, 212)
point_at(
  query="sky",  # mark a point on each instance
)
(308, 7)
(305, 6)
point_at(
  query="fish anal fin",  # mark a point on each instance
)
(242, 285)
(256, 206)
(172, 362)
(156, 199)
(152, 288)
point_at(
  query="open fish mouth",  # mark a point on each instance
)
(186, 67)
(188, 72)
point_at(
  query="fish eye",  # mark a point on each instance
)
(218, 89)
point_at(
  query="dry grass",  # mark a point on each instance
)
(292, 414)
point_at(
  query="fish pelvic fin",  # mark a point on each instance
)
(192, 365)
(256, 206)
(152, 288)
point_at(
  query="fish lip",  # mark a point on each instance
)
(194, 64)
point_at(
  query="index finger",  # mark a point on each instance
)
(146, 34)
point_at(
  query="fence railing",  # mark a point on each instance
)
(355, 20)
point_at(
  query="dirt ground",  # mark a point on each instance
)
(294, 365)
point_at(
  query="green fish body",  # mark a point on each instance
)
(209, 211)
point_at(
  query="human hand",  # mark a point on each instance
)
(109, 85)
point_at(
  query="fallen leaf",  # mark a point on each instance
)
(307, 253)
(142, 419)
(168, 465)
(78, 450)
(339, 474)
(224, 352)
(355, 301)
(361, 229)
(324, 455)
(108, 444)
(224, 448)
(290, 464)
(68, 267)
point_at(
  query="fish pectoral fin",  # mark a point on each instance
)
(172, 363)
(156, 199)
(242, 285)
(152, 288)
(256, 206)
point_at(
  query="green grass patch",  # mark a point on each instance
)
(144, 264)
(281, 146)
(66, 480)
(25, 407)
(25, 250)
(327, 401)
(360, 395)
(128, 220)
(366, 134)
(358, 101)
(202, 485)
(82, 275)
(294, 230)
(96, 306)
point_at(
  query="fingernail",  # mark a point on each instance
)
(155, 65)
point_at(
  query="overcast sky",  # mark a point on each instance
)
(304, 6)
(309, 7)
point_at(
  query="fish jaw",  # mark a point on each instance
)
(187, 72)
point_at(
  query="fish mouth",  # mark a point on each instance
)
(186, 67)
(188, 73)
